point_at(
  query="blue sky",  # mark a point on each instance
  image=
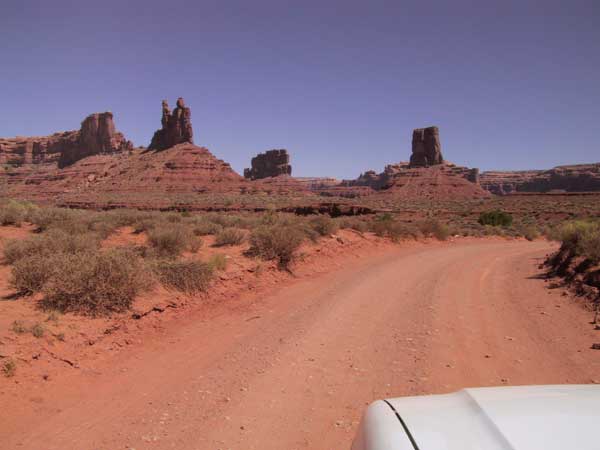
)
(340, 84)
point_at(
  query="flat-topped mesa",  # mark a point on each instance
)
(426, 147)
(97, 136)
(176, 127)
(269, 164)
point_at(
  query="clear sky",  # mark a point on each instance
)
(340, 84)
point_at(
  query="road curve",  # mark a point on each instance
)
(295, 369)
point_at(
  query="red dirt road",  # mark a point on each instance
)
(295, 369)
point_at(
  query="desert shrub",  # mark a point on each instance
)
(49, 243)
(353, 223)
(185, 276)
(324, 225)
(94, 282)
(9, 368)
(29, 274)
(589, 245)
(144, 225)
(496, 218)
(581, 237)
(12, 213)
(174, 218)
(218, 261)
(276, 242)
(529, 232)
(229, 236)
(205, 227)
(171, 240)
(38, 330)
(18, 327)
(386, 226)
(45, 218)
(432, 227)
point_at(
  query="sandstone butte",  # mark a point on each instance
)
(96, 166)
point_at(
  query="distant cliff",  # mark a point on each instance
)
(575, 178)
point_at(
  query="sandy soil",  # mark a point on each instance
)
(294, 366)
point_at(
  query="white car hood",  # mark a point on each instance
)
(518, 418)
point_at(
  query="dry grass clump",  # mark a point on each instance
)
(94, 282)
(323, 225)
(189, 277)
(276, 242)
(170, 240)
(229, 236)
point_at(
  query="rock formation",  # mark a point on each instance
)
(269, 164)
(427, 175)
(97, 135)
(575, 178)
(426, 148)
(176, 127)
(441, 181)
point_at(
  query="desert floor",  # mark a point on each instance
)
(295, 365)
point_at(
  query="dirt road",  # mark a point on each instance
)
(295, 369)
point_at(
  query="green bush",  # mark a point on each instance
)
(94, 282)
(229, 236)
(276, 242)
(189, 277)
(324, 225)
(495, 218)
